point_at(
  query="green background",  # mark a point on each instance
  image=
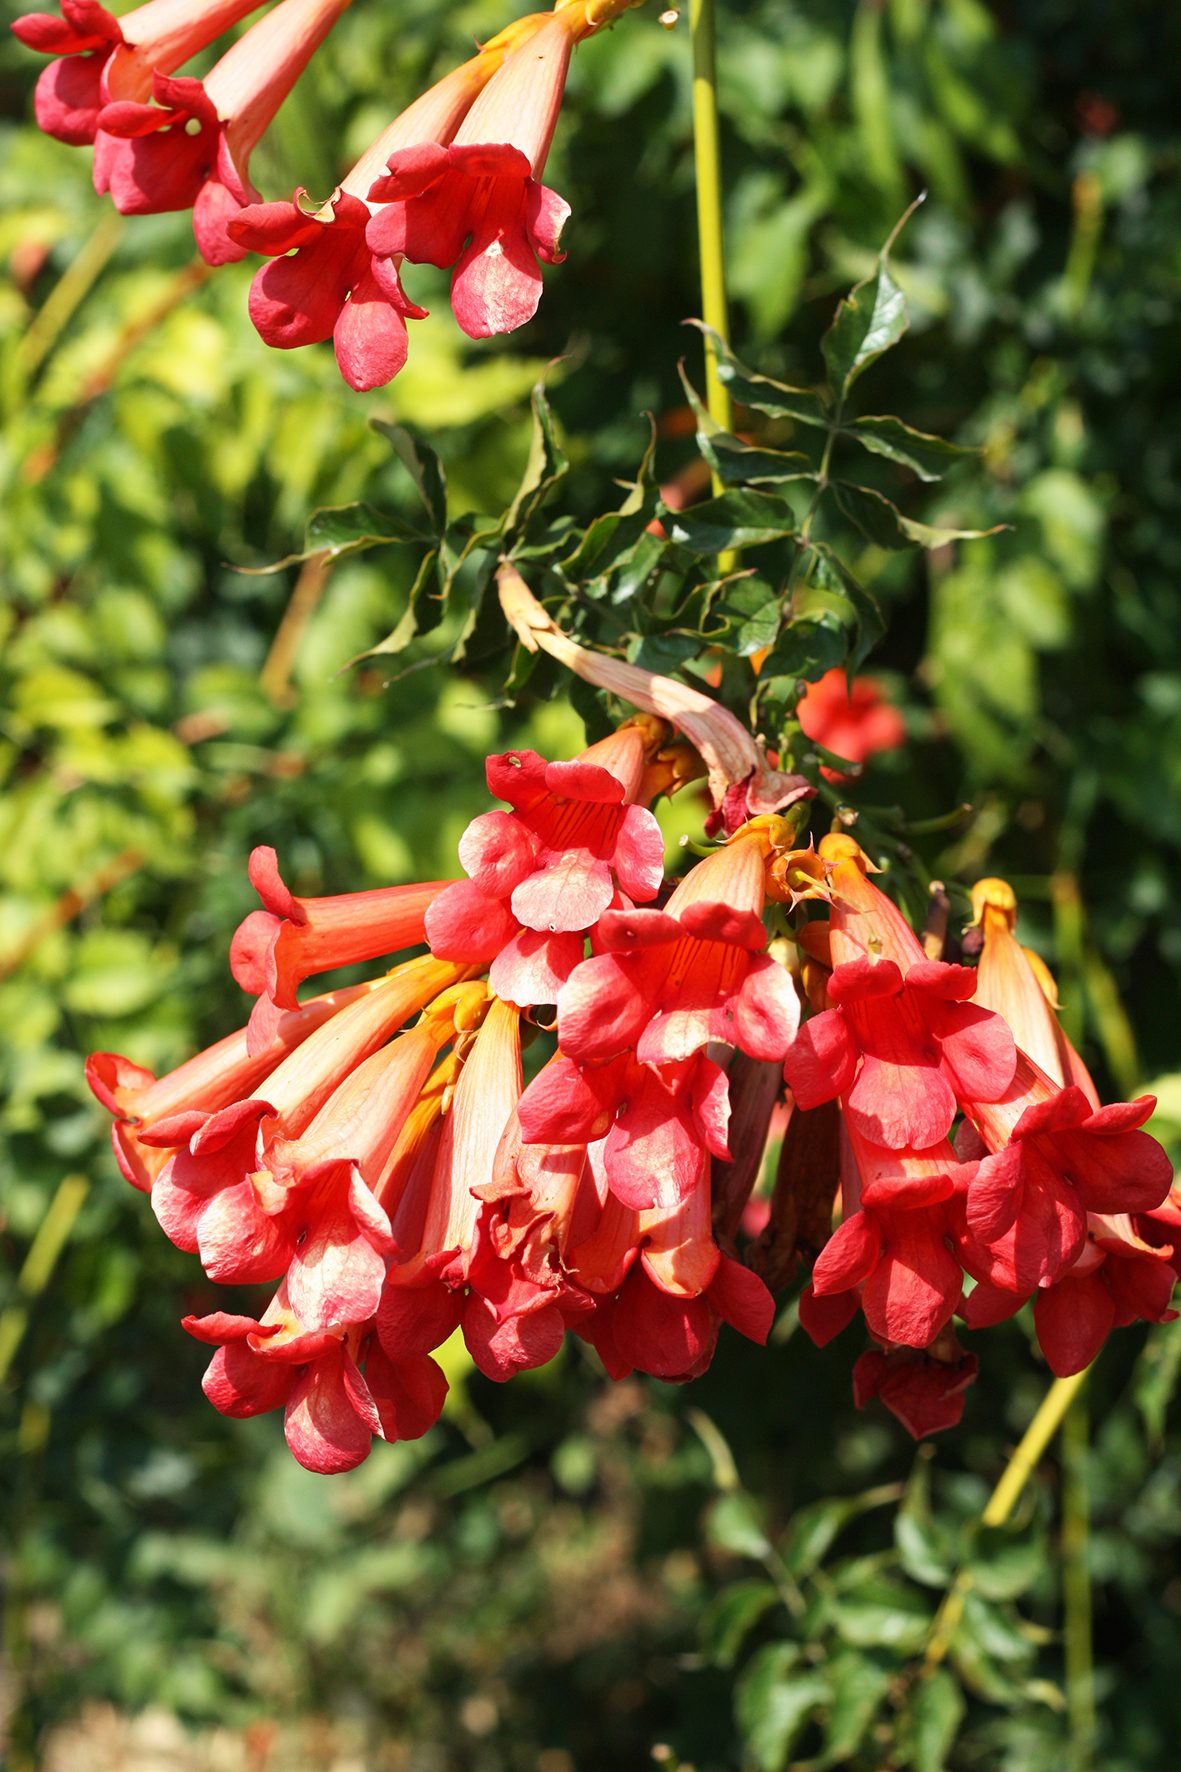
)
(554, 1571)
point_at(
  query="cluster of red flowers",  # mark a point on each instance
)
(1045, 1194)
(373, 1150)
(453, 181)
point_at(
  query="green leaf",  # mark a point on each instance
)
(882, 1614)
(929, 457)
(870, 319)
(1155, 1377)
(735, 520)
(996, 1632)
(807, 648)
(612, 539)
(468, 535)
(545, 468)
(424, 468)
(424, 611)
(981, 1674)
(351, 529)
(751, 389)
(811, 1531)
(663, 653)
(737, 463)
(637, 565)
(935, 1712)
(924, 1549)
(485, 631)
(731, 1616)
(592, 707)
(774, 1700)
(733, 1525)
(752, 612)
(829, 572)
(858, 1687)
(1003, 1567)
(882, 523)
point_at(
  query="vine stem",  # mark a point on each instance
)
(1001, 1503)
(1076, 1585)
(707, 163)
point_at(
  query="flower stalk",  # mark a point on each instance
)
(1076, 1584)
(707, 163)
(1002, 1501)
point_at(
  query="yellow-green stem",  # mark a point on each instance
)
(70, 288)
(40, 1261)
(709, 205)
(1002, 1501)
(1076, 1585)
(1037, 1437)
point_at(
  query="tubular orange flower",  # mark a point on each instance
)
(274, 950)
(541, 875)
(1015, 982)
(478, 204)
(204, 1197)
(173, 1107)
(101, 57)
(149, 160)
(323, 280)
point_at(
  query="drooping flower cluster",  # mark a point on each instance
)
(373, 1152)
(1038, 1196)
(453, 181)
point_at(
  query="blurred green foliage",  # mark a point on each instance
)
(565, 1567)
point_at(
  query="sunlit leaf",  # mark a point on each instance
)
(928, 456)
(735, 520)
(870, 319)
(774, 1699)
(424, 467)
(935, 1712)
(749, 388)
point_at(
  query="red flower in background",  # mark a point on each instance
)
(192, 147)
(101, 57)
(856, 722)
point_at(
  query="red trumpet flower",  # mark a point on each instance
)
(479, 201)
(191, 149)
(332, 1408)
(274, 950)
(539, 876)
(101, 57)
(323, 281)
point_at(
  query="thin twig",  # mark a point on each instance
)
(275, 677)
(68, 907)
